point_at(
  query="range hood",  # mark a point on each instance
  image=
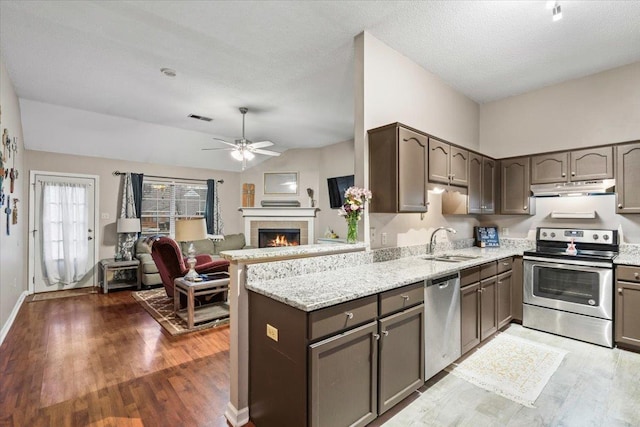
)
(578, 188)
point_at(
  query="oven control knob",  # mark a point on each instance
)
(605, 237)
(553, 235)
(544, 234)
(595, 237)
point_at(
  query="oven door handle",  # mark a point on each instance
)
(553, 262)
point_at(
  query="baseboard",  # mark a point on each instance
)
(236, 418)
(12, 316)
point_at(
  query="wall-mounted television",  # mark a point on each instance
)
(337, 187)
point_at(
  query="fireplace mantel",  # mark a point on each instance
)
(285, 217)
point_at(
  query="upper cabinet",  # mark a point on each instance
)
(398, 169)
(448, 164)
(482, 181)
(628, 178)
(515, 186)
(578, 165)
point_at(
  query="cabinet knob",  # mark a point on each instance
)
(619, 205)
(506, 264)
(620, 290)
(349, 315)
(405, 297)
(564, 174)
(525, 207)
(376, 336)
(385, 333)
(499, 282)
(573, 174)
(636, 275)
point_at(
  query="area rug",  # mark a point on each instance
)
(160, 307)
(45, 296)
(512, 367)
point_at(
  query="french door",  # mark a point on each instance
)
(63, 231)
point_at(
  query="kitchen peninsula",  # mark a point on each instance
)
(295, 305)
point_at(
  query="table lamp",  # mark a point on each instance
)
(189, 230)
(128, 226)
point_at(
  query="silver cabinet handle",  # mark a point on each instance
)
(349, 315)
(376, 336)
(406, 297)
(505, 264)
(385, 333)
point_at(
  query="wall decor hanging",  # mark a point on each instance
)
(8, 212)
(14, 219)
(13, 175)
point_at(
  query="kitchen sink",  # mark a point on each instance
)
(450, 258)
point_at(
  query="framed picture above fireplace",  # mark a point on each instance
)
(281, 183)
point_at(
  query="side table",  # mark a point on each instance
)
(110, 265)
(192, 314)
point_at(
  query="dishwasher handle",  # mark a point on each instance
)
(442, 281)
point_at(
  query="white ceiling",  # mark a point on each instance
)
(290, 62)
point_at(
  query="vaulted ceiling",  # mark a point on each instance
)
(290, 62)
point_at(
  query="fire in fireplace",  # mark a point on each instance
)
(273, 237)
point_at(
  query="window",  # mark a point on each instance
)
(164, 202)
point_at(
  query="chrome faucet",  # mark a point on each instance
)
(432, 240)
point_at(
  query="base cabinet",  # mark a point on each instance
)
(627, 321)
(469, 315)
(517, 279)
(488, 307)
(338, 366)
(505, 299)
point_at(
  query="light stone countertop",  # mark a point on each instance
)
(268, 254)
(628, 258)
(314, 291)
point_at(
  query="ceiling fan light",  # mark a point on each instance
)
(249, 155)
(237, 155)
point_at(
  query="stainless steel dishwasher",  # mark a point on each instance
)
(442, 323)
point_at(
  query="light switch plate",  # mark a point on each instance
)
(272, 332)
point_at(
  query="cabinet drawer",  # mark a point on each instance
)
(628, 273)
(469, 275)
(489, 269)
(401, 298)
(343, 316)
(505, 264)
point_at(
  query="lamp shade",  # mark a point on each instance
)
(189, 230)
(128, 225)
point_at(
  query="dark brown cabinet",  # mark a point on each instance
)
(401, 356)
(505, 299)
(515, 186)
(577, 165)
(482, 182)
(398, 164)
(469, 315)
(628, 178)
(448, 164)
(488, 307)
(627, 310)
(336, 366)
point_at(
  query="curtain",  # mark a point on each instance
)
(127, 210)
(65, 226)
(136, 184)
(212, 209)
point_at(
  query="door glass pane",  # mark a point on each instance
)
(567, 285)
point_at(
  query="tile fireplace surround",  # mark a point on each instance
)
(285, 218)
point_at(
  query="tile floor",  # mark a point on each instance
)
(594, 386)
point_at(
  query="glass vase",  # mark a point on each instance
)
(352, 229)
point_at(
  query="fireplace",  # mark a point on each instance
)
(273, 237)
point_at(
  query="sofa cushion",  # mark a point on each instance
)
(204, 246)
(231, 242)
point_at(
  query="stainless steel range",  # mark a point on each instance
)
(568, 283)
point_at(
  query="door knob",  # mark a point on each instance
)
(89, 238)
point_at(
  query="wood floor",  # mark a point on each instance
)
(101, 360)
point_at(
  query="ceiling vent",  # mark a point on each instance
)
(203, 118)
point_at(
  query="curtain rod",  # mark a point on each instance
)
(118, 173)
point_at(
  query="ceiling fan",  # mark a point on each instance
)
(243, 149)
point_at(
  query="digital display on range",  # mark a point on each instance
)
(574, 233)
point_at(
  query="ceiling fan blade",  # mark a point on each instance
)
(226, 142)
(261, 144)
(266, 152)
(218, 149)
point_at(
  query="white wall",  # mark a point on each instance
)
(13, 248)
(391, 88)
(110, 187)
(603, 108)
(314, 166)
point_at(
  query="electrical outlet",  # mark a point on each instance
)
(272, 332)
(383, 236)
(104, 215)
(372, 230)
(505, 231)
